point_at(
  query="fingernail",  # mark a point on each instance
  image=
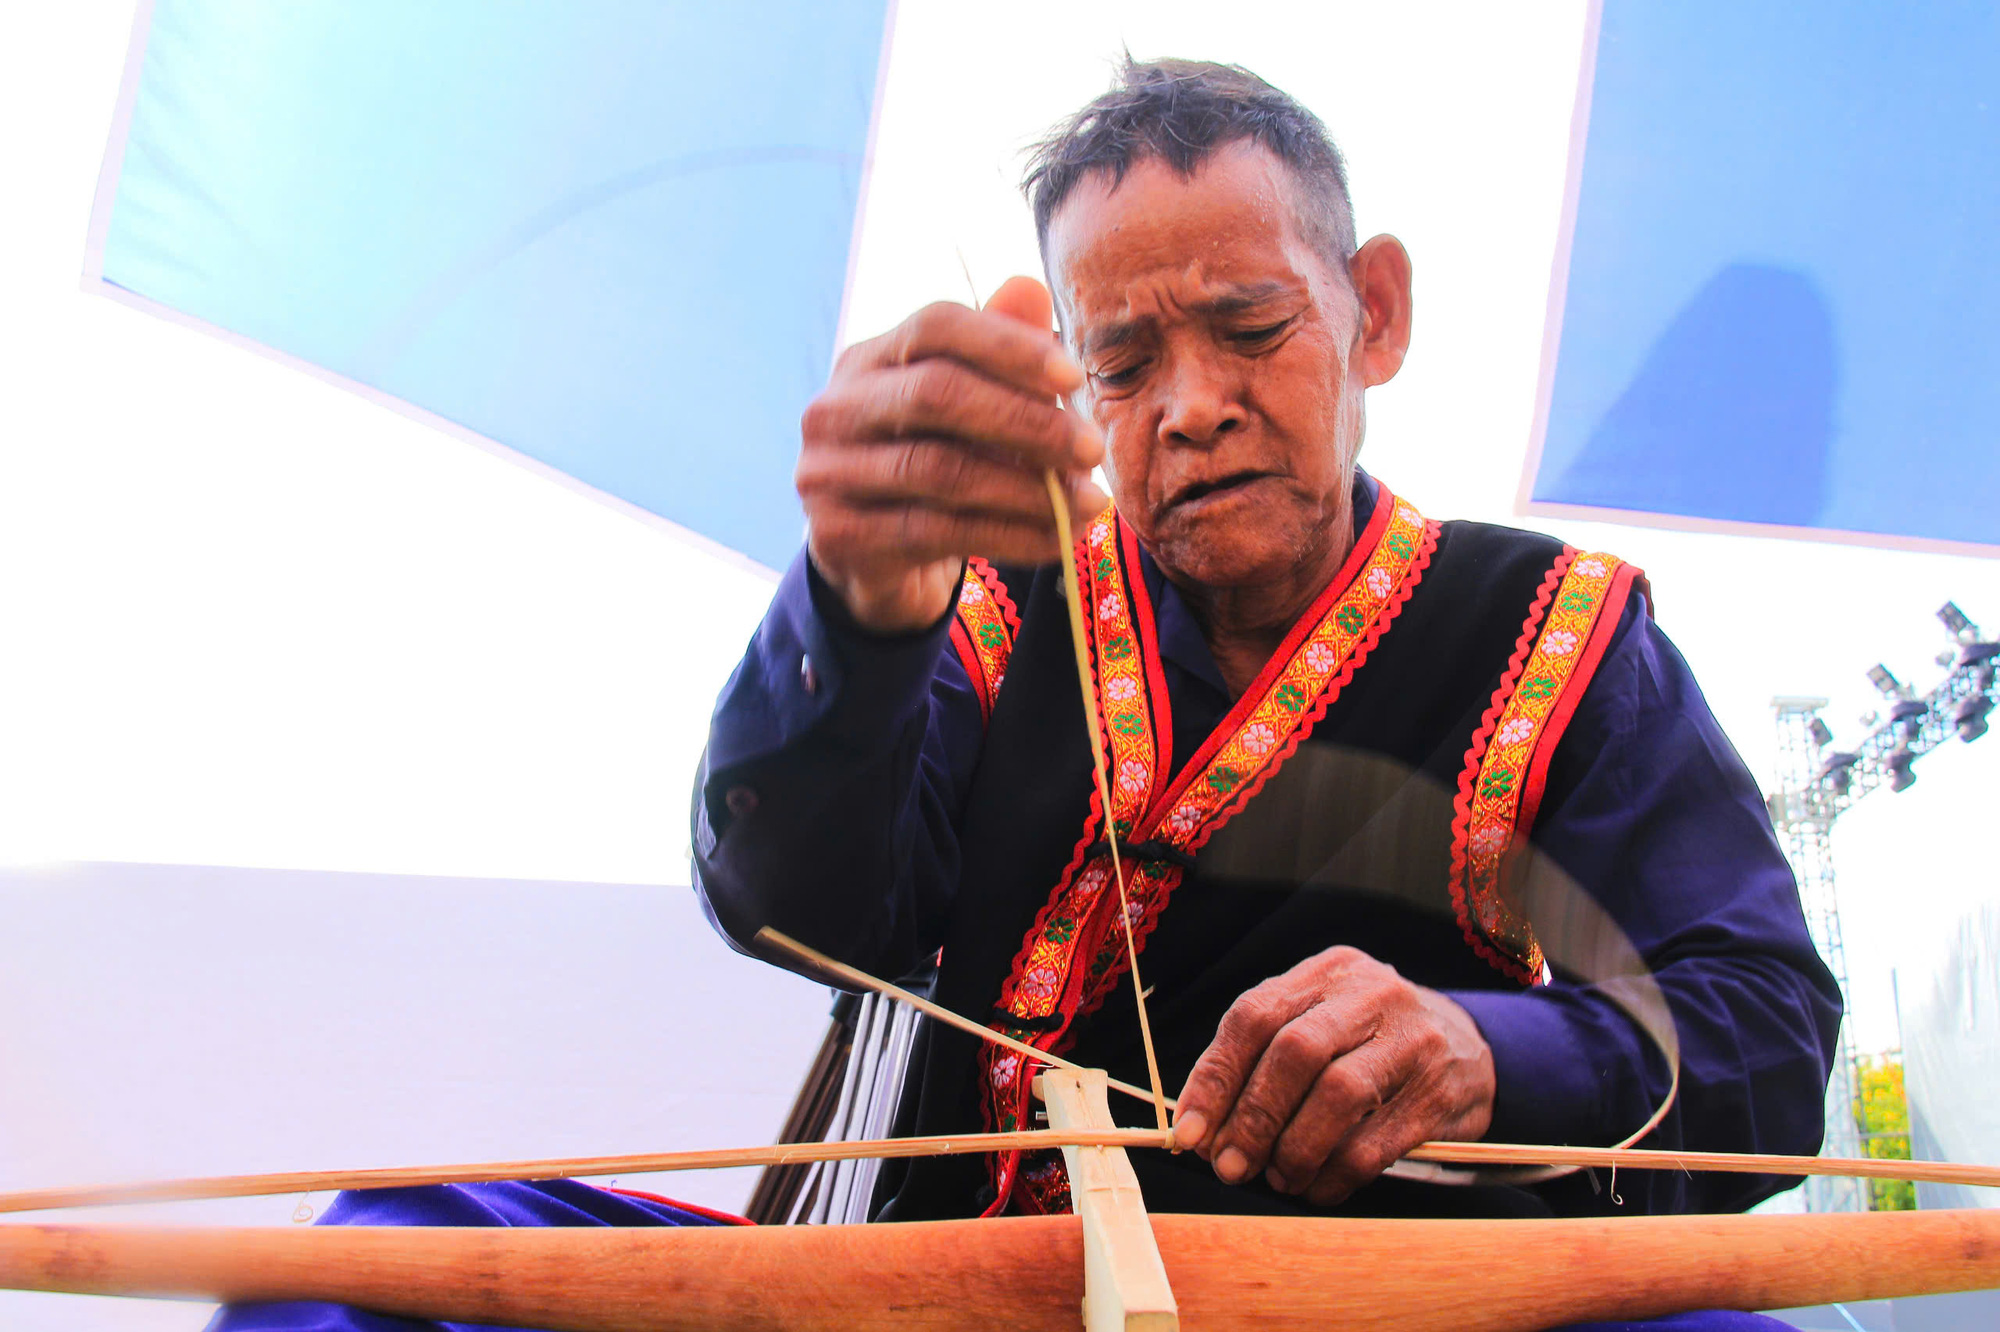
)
(1190, 1129)
(1064, 373)
(1232, 1166)
(1275, 1180)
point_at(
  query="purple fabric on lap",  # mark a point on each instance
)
(1708, 1320)
(559, 1202)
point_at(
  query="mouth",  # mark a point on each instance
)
(1194, 494)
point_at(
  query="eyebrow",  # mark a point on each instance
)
(1237, 300)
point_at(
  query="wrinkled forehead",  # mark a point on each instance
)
(1156, 239)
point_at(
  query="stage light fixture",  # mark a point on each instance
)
(1885, 680)
(1822, 734)
(1838, 771)
(1956, 620)
(1897, 765)
(1971, 716)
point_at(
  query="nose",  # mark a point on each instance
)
(1202, 404)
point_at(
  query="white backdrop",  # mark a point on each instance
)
(252, 621)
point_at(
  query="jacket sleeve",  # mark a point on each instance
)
(1650, 809)
(828, 796)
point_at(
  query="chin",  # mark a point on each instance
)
(1233, 559)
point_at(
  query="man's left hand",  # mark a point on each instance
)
(1325, 1075)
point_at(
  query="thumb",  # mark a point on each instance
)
(1026, 300)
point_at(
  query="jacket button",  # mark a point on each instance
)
(741, 800)
(808, 677)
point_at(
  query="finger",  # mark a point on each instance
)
(942, 474)
(1378, 1142)
(897, 536)
(1298, 1054)
(996, 342)
(1345, 1095)
(1026, 301)
(940, 397)
(1218, 1077)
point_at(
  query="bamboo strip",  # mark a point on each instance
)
(1101, 770)
(1454, 1153)
(1741, 1163)
(386, 1177)
(862, 980)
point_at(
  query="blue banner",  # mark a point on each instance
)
(1777, 308)
(611, 236)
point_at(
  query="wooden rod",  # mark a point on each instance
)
(1228, 1272)
(862, 980)
(388, 1177)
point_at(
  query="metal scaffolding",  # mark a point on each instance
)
(1816, 785)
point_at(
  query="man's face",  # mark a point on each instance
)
(1219, 349)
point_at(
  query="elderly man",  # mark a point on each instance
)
(1331, 723)
(900, 764)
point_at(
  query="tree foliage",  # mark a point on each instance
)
(1884, 1116)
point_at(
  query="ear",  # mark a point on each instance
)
(1381, 274)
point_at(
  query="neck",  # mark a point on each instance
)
(1244, 623)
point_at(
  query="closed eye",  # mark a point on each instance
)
(1252, 336)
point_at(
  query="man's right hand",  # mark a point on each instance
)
(929, 445)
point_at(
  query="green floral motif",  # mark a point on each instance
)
(1105, 568)
(1540, 686)
(992, 635)
(1497, 784)
(1061, 929)
(1129, 723)
(1402, 545)
(1118, 647)
(1577, 600)
(1289, 697)
(1222, 779)
(1350, 619)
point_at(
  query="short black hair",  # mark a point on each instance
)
(1181, 111)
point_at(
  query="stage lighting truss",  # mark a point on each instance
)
(1819, 783)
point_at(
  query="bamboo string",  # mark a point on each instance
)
(862, 980)
(1101, 769)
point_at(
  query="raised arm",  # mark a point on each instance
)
(840, 749)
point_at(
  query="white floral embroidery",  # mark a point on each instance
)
(972, 592)
(1514, 732)
(1559, 643)
(1258, 738)
(1108, 608)
(1319, 657)
(1121, 688)
(1184, 820)
(1004, 1068)
(1133, 775)
(1589, 567)
(1488, 838)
